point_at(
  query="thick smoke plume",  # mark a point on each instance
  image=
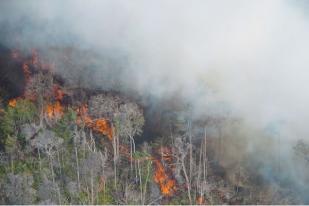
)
(238, 59)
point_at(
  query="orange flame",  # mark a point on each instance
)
(100, 125)
(200, 200)
(166, 184)
(12, 102)
(54, 111)
(103, 126)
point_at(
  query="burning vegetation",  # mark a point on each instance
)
(54, 111)
(62, 128)
(42, 90)
(12, 102)
(166, 183)
(101, 125)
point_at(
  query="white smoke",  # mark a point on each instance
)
(249, 55)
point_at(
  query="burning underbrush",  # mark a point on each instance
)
(106, 164)
(166, 183)
(45, 89)
(109, 116)
(100, 125)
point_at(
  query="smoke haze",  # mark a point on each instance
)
(226, 58)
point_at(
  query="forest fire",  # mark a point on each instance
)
(166, 184)
(103, 126)
(12, 102)
(54, 111)
(58, 93)
(168, 104)
(83, 116)
(166, 154)
(100, 125)
(200, 200)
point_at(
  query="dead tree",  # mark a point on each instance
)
(131, 123)
(107, 106)
(40, 87)
(181, 150)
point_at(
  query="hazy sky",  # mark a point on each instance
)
(253, 55)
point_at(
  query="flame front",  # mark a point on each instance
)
(100, 125)
(12, 102)
(103, 126)
(54, 111)
(166, 184)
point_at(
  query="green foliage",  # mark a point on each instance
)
(3, 171)
(37, 179)
(145, 164)
(141, 154)
(83, 197)
(62, 128)
(10, 144)
(24, 159)
(22, 167)
(67, 164)
(13, 117)
(23, 112)
(6, 125)
(105, 197)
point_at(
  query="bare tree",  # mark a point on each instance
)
(181, 150)
(47, 142)
(202, 172)
(40, 87)
(107, 106)
(131, 123)
(91, 170)
(104, 105)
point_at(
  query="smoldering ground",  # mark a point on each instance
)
(231, 59)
